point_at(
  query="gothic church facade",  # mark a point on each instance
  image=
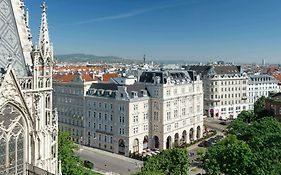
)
(28, 123)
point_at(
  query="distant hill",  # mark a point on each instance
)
(92, 59)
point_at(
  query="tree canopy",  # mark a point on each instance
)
(230, 156)
(252, 146)
(170, 161)
(70, 162)
(260, 110)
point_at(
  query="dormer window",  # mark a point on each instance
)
(144, 93)
(134, 94)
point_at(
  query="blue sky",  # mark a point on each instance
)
(230, 30)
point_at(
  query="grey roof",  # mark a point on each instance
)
(262, 78)
(148, 77)
(113, 88)
(215, 69)
(174, 75)
(105, 86)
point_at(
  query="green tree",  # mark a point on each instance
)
(265, 145)
(263, 136)
(230, 156)
(170, 161)
(260, 110)
(259, 105)
(70, 162)
(150, 173)
(200, 153)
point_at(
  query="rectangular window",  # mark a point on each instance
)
(155, 116)
(176, 113)
(169, 128)
(136, 130)
(135, 107)
(145, 117)
(176, 125)
(168, 115)
(136, 119)
(183, 112)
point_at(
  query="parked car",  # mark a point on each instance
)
(218, 137)
(225, 122)
(203, 143)
(88, 164)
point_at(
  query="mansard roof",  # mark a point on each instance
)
(112, 88)
(162, 76)
(262, 78)
(215, 69)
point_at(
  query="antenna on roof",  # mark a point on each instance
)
(144, 59)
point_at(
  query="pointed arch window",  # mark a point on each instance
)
(12, 134)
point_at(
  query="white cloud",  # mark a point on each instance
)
(129, 14)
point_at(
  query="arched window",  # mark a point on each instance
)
(12, 134)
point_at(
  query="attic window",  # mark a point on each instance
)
(134, 94)
(144, 93)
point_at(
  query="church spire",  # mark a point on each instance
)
(44, 44)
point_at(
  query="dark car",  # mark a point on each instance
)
(212, 141)
(88, 164)
(203, 143)
(218, 137)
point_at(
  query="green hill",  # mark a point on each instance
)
(92, 59)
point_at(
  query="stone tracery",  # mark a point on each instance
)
(12, 133)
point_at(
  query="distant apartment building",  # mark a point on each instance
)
(69, 91)
(277, 76)
(162, 110)
(273, 102)
(260, 85)
(225, 89)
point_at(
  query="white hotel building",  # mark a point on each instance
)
(164, 109)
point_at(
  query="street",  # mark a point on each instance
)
(213, 123)
(106, 162)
